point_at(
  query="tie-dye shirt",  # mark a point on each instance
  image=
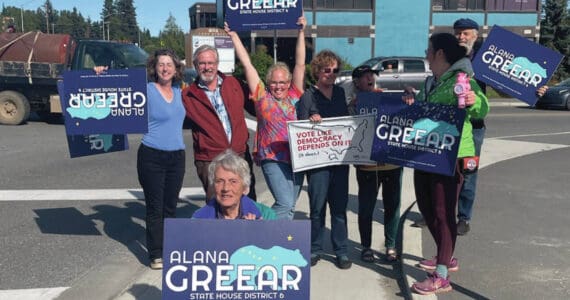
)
(271, 140)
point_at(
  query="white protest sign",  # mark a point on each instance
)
(334, 141)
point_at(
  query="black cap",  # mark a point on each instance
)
(361, 70)
(465, 24)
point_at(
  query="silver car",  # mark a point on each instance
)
(396, 72)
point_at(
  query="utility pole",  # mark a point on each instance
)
(22, 16)
(47, 17)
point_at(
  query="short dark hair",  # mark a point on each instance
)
(447, 42)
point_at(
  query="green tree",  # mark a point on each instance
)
(261, 60)
(107, 18)
(73, 23)
(172, 36)
(126, 16)
(555, 33)
(149, 43)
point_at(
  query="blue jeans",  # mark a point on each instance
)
(160, 174)
(328, 185)
(284, 185)
(369, 183)
(467, 193)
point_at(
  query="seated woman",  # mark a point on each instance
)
(229, 175)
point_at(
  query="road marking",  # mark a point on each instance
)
(27, 294)
(81, 195)
(89, 195)
(495, 150)
(529, 135)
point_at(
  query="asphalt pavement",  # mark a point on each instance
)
(379, 280)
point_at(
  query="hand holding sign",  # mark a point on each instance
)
(246, 15)
(515, 65)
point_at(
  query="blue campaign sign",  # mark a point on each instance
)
(423, 136)
(248, 15)
(236, 259)
(514, 65)
(84, 145)
(110, 103)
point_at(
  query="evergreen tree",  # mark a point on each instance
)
(172, 37)
(261, 60)
(555, 33)
(128, 28)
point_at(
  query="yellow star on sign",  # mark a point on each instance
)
(289, 238)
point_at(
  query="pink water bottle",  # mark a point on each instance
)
(461, 88)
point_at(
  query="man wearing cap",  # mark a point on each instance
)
(370, 178)
(466, 31)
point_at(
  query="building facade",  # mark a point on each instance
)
(360, 29)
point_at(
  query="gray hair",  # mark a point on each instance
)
(276, 66)
(204, 48)
(230, 161)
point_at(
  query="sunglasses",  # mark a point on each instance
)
(331, 70)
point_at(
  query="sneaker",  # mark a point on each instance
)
(342, 262)
(433, 284)
(431, 264)
(463, 227)
(315, 259)
(156, 263)
(367, 255)
(419, 223)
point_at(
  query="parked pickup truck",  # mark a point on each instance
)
(31, 63)
(395, 72)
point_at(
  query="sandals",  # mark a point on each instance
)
(367, 255)
(391, 254)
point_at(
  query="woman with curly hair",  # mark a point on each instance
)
(327, 184)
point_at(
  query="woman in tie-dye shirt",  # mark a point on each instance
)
(275, 105)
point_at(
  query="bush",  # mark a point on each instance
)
(260, 60)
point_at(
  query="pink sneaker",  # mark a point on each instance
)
(431, 264)
(433, 284)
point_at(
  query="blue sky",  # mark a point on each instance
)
(150, 14)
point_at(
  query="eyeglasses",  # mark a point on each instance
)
(207, 63)
(277, 83)
(331, 70)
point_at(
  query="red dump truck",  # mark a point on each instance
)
(31, 63)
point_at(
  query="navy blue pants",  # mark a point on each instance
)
(160, 174)
(328, 185)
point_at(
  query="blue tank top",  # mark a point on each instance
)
(165, 120)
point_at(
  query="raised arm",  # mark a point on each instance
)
(251, 75)
(299, 70)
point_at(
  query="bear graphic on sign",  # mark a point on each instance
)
(275, 260)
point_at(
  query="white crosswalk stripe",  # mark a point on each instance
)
(93, 194)
(32, 294)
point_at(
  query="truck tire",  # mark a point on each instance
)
(14, 108)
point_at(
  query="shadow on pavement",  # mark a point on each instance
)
(149, 291)
(468, 293)
(122, 223)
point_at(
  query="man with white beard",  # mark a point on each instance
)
(215, 106)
